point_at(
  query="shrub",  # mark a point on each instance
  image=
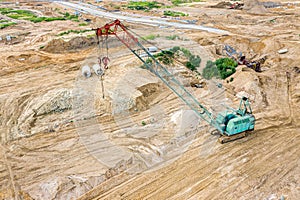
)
(195, 61)
(175, 49)
(186, 52)
(190, 66)
(166, 57)
(226, 67)
(210, 70)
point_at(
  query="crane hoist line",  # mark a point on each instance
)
(232, 124)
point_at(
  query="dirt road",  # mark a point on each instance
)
(142, 20)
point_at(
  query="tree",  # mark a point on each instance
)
(226, 67)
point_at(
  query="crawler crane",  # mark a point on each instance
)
(232, 124)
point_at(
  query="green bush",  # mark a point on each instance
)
(186, 52)
(190, 66)
(226, 67)
(195, 61)
(175, 49)
(210, 70)
(166, 57)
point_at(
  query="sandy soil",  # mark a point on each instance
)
(61, 140)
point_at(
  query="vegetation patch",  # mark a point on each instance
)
(165, 56)
(83, 24)
(150, 37)
(172, 37)
(73, 31)
(4, 25)
(177, 2)
(210, 71)
(168, 56)
(222, 68)
(226, 67)
(174, 13)
(144, 5)
(28, 15)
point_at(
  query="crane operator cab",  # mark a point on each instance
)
(234, 122)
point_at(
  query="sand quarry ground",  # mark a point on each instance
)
(61, 140)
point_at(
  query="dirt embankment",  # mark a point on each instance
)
(74, 45)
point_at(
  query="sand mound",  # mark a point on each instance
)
(223, 4)
(254, 6)
(75, 44)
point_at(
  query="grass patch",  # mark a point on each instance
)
(73, 31)
(144, 5)
(83, 24)
(174, 13)
(47, 19)
(28, 15)
(4, 25)
(172, 37)
(90, 35)
(150, 37)
(177, 2)
(18, 14)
